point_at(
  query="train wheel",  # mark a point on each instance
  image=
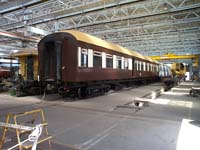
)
(79, 93)
(82, 93)
(106, 89)
(144, 82)
(89, 92)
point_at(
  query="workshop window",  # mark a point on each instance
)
(109, 61)
(97, 59)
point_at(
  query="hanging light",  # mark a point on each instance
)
(165, 6)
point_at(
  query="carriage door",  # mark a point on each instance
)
(133, 66)
(58, 47)
(29, 72)
(52, 60)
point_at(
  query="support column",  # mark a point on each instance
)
(199, 68)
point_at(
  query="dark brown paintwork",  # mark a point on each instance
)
(5, 72)
(70, 70)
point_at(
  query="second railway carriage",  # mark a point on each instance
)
(73, 61)
(4, 73)
(26, 83)
(28, 59)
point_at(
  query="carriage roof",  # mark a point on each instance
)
(84, 37)
(26, 52)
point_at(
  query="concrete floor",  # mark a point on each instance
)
(97, 124)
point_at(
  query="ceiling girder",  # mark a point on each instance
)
(18, 36)
(107, 12)
(147, 26)
(14, 5)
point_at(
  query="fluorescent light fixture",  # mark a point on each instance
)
(7, 61)
(3, 54)
(14, 51)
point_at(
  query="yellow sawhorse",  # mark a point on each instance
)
(21, 122)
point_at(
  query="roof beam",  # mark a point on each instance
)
(37, 30)
(19, 5)
(106, 13)
(9, 47)
(18, 36)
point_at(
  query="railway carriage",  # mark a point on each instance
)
(75, 62)
(26, 82)
(4, 73)
(28, 59)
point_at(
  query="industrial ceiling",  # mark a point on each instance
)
(151, 27)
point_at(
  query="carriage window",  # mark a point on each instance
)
(118, 62)
(130, 64)
(97, 59)
(90, 58)
(156, 68)
(109, 61)
(142, 67)
(150, 67)
(139, 65)
(146, 66)
(135, 63)
(126, 63)
(160, 68)
(84, 58)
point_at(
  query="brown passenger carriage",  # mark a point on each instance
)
(4, 72)
(77, 61)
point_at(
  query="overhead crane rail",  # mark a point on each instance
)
(174, 56)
